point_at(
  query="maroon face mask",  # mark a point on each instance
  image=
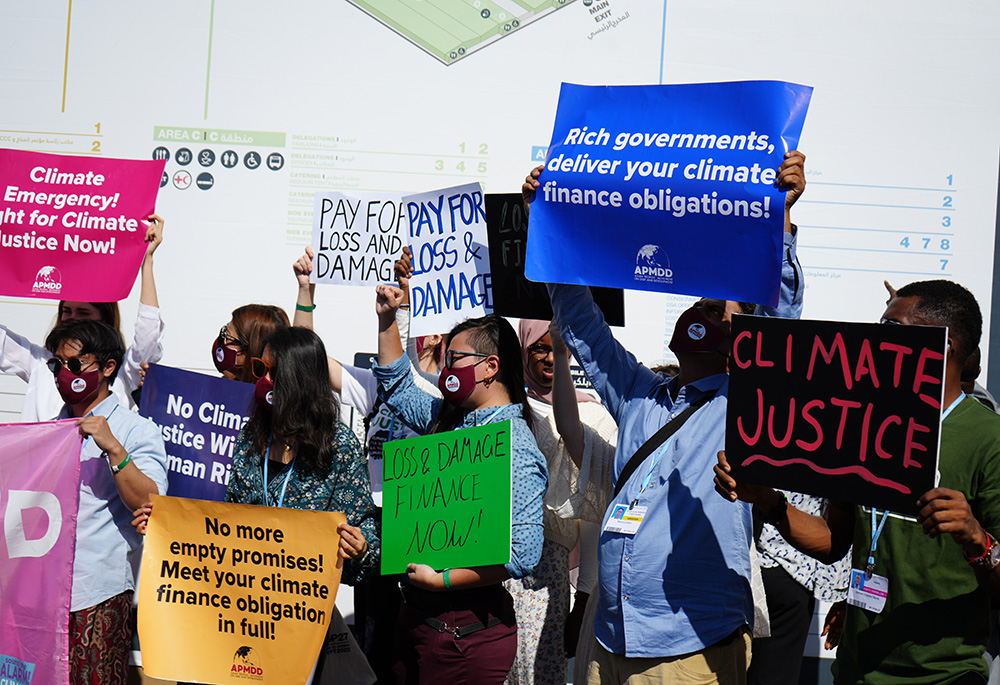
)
(456, 384)
(695, 332)
(223, 356)
(75, 389)
(263, 392)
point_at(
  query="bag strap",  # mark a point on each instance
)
(658, 438)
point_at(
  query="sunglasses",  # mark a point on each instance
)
(75, 366)
(259, 368)
(451, 357)
(229, 339)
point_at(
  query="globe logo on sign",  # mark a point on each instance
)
(452, 383)
(48, 281)
(78, 385)
(696, 331)
(652, 265)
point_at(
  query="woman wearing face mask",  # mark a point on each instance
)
(243, 338)
(27, 361)
(482, 382)
(541, 601)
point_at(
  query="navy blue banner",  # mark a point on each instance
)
(199, 418)
(667, 188)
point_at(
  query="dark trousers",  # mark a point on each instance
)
(376, 602)
(777, 659)
(425, 655)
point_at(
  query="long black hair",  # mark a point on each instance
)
(304, 411)
(491, 334)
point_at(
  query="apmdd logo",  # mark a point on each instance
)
(246, 665)
(48, 281)
(652, 265)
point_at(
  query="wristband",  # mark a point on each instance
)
(405, 305)
(447, 579)
(305, 307)
(115, 470)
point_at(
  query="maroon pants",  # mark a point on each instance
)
(427, 655)
(99, 642)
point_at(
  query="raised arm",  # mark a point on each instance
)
(147, 345)
(792, 179)
(564, 403)
(304, 306)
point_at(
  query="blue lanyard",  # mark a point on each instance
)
(490, 417)
(877, 525)
(284, 486)
(652, 467)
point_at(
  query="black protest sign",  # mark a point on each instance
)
(846, 411)
(513, 294)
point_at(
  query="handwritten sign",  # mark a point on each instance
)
(667, 188)
(199, 418)
(446, 499)
(65, 219)
(236, 592)
(846, 411)
(357, 237)
(513, 294)
(451, 268)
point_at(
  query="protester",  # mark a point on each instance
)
(458, 625)
(541, 600)
(939, 570)
(123, 463)
(675, 593)
(242, 339)
(27, 360)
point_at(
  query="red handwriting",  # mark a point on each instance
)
(837, 471)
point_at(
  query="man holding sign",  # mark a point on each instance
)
(921, 613)
(674, 580)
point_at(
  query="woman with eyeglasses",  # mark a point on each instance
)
(242, 339)
(568, 424)
(21, 357)
(458, 625)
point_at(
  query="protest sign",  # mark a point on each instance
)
(667, 188)
(72, 228)
(451, 267)
(357, 237)
(513, 294)
(446, 499)
(39, 497)
(846, 411)
(199, 418)
(234, 592)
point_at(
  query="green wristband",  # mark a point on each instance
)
(447, 579)
(305, 307)
(124, 462)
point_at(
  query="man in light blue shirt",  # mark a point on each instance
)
(123, 463)
(674, 600)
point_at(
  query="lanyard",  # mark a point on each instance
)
(877, 525)
(284, 486)
(490, 417)
(652, 467)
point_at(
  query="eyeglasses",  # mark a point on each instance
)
(229, 339)
(75, 366)
(539, 351)
(891, 322)
(259, 368)
(451, 357)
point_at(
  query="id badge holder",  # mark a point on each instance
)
(867, 592)
(625, 519)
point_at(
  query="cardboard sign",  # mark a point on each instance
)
(357, 237)
(513, 294)
(846, 411)
(73, 228)
(40, 495)
(199, 418)
(451, 267)
(667, 188)
(234, 592)
(446, 499)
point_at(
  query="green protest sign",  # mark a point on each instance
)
(446, 499)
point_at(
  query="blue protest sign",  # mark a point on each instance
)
(667, 188)
(199, 418)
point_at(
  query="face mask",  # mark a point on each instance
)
(75, 389)
(263, 392)
(224, 357)
(695, 332)
(456, 384)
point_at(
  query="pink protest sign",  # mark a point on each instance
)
(39, 496)
(73, 228)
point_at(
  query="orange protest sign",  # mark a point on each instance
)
(232, 593)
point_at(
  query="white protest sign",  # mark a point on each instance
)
(357, 237)
(451, 261)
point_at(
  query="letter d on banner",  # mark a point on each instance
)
(18, 544)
